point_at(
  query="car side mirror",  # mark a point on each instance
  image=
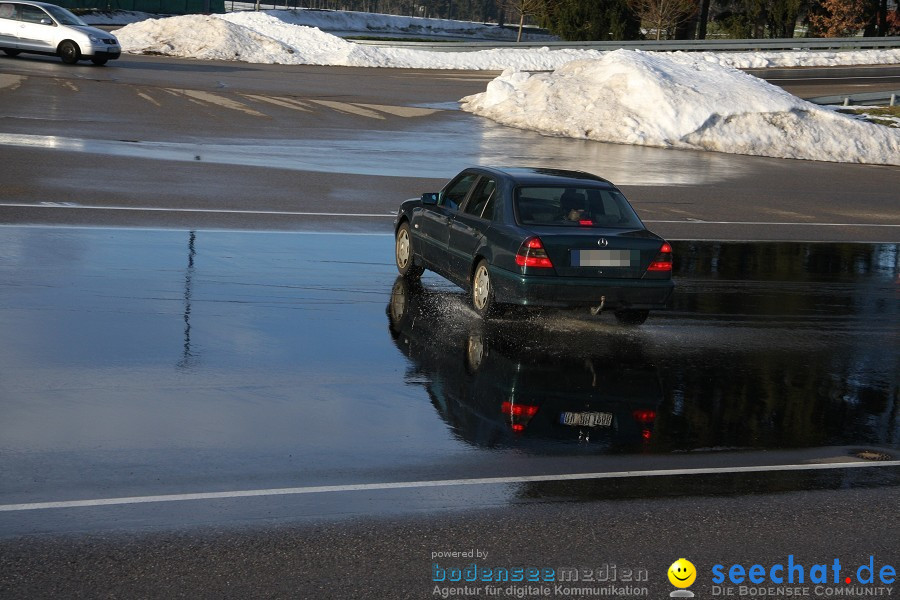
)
(430, 198)
(46, 21)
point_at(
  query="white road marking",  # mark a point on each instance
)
(72, 205)
(804, 79)
(401, 111)
(69, 205)
(405, 485)
(290, 103)
(149, 99)
(205, 229)
(786, 223)
(11, 82)
(220, 101)
(345, 107)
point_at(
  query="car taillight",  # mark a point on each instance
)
(518, 415)
(663, 260)
(532, 254)
(644, 417)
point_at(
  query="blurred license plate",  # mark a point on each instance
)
(586, 419)
(605, 258)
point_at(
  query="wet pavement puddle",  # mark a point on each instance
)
(209, 357)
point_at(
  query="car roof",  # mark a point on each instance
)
(545, 176)
(32, 3)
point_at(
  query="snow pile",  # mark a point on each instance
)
(675, 100)
(363, 22)
(651, 99)
(204, 37)
(263, 37)
(273, 37)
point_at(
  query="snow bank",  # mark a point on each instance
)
(204, 37)
(275, 37)
(264, 37)
(650, 99)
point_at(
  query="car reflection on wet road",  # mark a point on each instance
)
(789, 356)
(159, 362)
(515, 381)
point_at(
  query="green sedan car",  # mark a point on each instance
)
(536, 237)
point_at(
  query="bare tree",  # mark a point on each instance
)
(663, 14)
(524, 8)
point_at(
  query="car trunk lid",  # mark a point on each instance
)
(598, 252)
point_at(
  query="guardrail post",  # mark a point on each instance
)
(847, 101)
(893, 99)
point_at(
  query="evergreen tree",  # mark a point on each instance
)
(581, 20)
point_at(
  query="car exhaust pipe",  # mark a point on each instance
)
(596, 310)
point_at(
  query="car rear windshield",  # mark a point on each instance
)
(574, 207)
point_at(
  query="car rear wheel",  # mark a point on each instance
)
(632, 317)
(403, 253)
(69, 53)
(11, 51)
(483, 291)
(476, 350)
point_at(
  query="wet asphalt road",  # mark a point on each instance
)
(145, 363)
(321, 148)
(393, 559)
(141, 363)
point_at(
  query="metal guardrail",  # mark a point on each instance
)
(888, 98)
(857, 43)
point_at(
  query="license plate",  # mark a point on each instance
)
(586, 419)
(605, 258)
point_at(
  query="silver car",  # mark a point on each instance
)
(43, 28)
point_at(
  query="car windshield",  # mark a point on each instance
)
(574, 207)
(64, 17)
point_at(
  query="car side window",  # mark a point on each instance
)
(457, 190)
(32, 14)
(481, 197)
(7, 11)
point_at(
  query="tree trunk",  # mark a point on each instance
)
(521, 24)
(703, 18)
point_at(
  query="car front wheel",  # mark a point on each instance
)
(403, 253)
(11, 51)
(69, 52)
(99, 61)
(483, 291)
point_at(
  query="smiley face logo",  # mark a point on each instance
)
(682, 573)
